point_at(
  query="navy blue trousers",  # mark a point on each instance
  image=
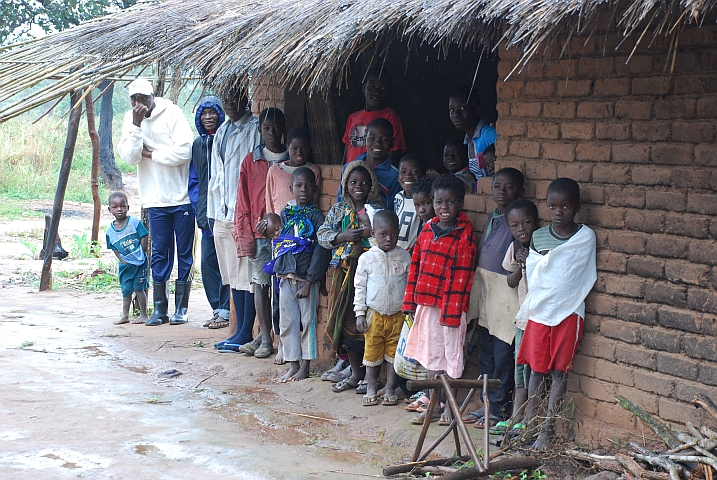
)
(497, 359)
(218, 295)
(167, 224)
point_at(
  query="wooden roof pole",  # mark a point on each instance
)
(70, 140)
(95, 139)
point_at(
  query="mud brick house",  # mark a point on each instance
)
(620, 96)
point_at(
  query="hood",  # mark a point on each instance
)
(374, 197)
(208, 102)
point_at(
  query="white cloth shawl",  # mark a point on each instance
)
(559, 281)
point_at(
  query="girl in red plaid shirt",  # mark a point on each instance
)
(439, 284)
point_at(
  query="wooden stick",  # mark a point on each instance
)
(486, 423)
(313, 417)
(415, 385)
(673, 469)
(459, 422)
(707, 404)
(64, 176)
(207, 378)
(508, 463)
(426, 424)
(407, 467)
(655, 425)
(450, 428)
(512, 463)
(603, 462)
(94, 172)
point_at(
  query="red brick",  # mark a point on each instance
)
(653, 382)
(548, 130)
(577, 130)
(325, 203)
(682, 108)
(592, 323)
(586, 407)
(563, 69)
(593, 152)
(679, 319)
(605, 216)
(596, 67)
(474, 203)
(703, 252)
(640, 64)
(598, 390)
(503, 109)
(632, 109)
(632, 311)
(511, 128)
(645, 400)
(614, 414)
(625, 196)
(655, 85)
(626, 242)
(612, 131)
(597, 346)
(680, 271)
(693, 132)
(526, 109)
(667, 246)
(670, 201)
(608, 261)
(702, 203)
(563, 110)
(525, 149)
(709, 58)
(580, 172)
(593, 194)
(601, 237)
(624, 285)
(601, 304)
(677, 365)
(685, 62)
(634, 355)
(619, 330)
(574, 88)
(661, 339)
(685, 391)
(630, 153)
(706, 155)
(707, 107)
(559, 151)
(583, 46)
(691, 177)
(583, 365)
(695, 84)
(540, 170)
(612, 87)
(668, 293)
(644, 175)
(501, 147)
(653, 131)
(700, 347)
(644, 266)
(695, 226)
(540, 89)
(702, 299)
(595, 109)
(612, 174)
(511, 89)
(708, 373)
(671, 154)
(678, 412)
(645, 220)
(608, 371)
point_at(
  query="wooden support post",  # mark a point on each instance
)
(413, 385)
(426, 424)
(95, 172)
(459, 421)
(70, 140)
(451, 427)
(486, 424)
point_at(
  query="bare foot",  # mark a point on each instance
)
(279, 359)
(141, 319)
(303, 372)
(541, 443)
(293, 370)
(123, 319)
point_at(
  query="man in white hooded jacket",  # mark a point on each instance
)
(158, 139)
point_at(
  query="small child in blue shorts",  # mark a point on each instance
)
(561, 270)
(127, 238)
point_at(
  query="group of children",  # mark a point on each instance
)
(403, 253)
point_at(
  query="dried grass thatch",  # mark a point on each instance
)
(306, 43)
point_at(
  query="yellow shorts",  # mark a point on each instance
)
(381, 337)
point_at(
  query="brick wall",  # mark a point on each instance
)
(641, 143)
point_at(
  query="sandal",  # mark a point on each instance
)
(492, 422)
(390, 400)
(218, 323)
(343, 385)
(420, 402)
(500, 428)
(445, 420)
(362, 388)
(335, 377)
(337, 368)
(472, 417)
(264, 351)
(370, 400)
(211, 320)
(420, 418)
(250, 347)
(414, 397)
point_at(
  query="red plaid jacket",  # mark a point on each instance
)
(442, 270)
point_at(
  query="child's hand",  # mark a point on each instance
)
(350, 235)
(261, 228)
(304, 290)
(522, 255)
(361, 324)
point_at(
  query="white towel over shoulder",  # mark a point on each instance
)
(559, 281)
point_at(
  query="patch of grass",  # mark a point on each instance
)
(82, 247)
(32, 248)
(26, 344)
(12, 209)
(125, 167)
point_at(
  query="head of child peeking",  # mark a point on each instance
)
(303, 186)
(448, 194)
(379, 141)
(299, 147)
(522, 218)
(422, 201)
(272, 124)
(507, 187)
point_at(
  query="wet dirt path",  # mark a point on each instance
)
(83, 398)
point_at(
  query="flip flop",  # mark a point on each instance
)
(218, 323)
(420, 402)
(343, 385)
(419, 419)
(492, 422)
(414, 397)
(210, 321)
(472, 417)
(500, 428)
(390, 400)
(263, 351)
(228, 348)
(363, 387)
(335, 377)
(250, 347)
(338, 367)
(445, 420)
(370, 400)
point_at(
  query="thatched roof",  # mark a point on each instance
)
(305, 43)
